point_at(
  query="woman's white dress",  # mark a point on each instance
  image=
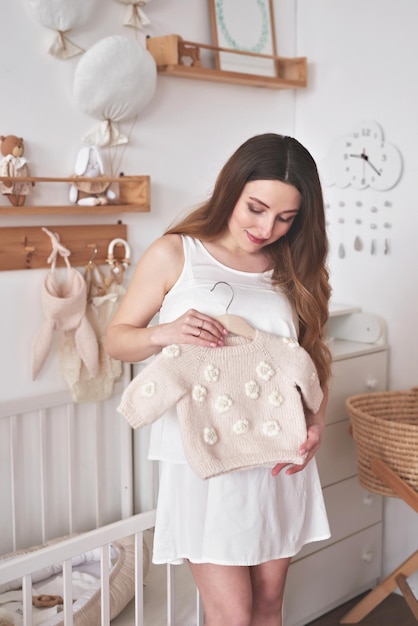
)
(239, 518)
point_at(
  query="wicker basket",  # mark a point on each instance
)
(385, 426)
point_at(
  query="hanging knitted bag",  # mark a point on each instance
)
(64, 304)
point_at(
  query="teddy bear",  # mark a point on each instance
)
(14, 165)
(85, 193)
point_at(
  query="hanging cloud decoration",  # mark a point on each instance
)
(62, 16)
(114, 81)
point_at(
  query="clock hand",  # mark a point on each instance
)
(365, 157)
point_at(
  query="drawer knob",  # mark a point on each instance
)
(371, 384)
(368, 499)
(367, 557)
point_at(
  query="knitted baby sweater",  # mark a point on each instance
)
(238, 406)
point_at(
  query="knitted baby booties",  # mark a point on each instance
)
(65, 310)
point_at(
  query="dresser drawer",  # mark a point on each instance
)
(336, 458)
(351, 376)
(322, 581)
(350, 509)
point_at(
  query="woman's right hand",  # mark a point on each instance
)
(131, 335)
(192, 327)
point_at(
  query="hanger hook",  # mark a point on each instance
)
(222, 282)
(30, 251)
(110, 256)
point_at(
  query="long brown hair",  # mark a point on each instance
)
(299, 258)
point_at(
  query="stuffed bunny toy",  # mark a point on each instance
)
(85, 193)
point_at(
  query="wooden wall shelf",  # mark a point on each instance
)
(133, 197)
(291, 73)
(28, 247)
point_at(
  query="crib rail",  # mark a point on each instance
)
(23, 567)
(66, 466)
(67, 469)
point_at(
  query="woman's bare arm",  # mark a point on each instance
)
(129, 338)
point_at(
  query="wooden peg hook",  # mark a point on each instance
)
(27, 247)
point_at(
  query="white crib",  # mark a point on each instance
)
(68, 471)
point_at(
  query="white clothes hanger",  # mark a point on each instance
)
(234, 323)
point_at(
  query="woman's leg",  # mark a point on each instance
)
(226, 593)
(242, 596)
(268, 583)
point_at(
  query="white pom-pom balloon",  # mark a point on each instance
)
(114, 81)
(62, 16)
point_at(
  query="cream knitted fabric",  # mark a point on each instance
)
(65, 310)
(238, 406)
(83, 386)
(64, 304)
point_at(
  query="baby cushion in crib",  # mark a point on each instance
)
(86, 586)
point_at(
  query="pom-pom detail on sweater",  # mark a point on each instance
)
(148, 389)
(223, 403)
(199, 393)
(271, 428)
(241, 426)
(171, 351)
(252, 390)
(264, 371)
(211, 373)
(210, 436)
(238, 406)
(276, 398)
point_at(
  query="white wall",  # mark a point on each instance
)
(181, 140)
(361, 65)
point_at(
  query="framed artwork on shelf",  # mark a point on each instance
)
(247, 26)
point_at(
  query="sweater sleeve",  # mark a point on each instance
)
(301, 368)
(157, 387)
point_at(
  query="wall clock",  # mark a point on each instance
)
(360, 166)
(364, 159)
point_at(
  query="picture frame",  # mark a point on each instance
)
(247, 26)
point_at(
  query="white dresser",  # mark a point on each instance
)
(327, 573)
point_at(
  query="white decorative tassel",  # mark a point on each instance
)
(134, 15)
(64, 48)
(105, 134)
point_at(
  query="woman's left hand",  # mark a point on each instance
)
(310, 447)
(315, 428)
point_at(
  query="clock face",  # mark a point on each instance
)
(363, 159)
(368, 130)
